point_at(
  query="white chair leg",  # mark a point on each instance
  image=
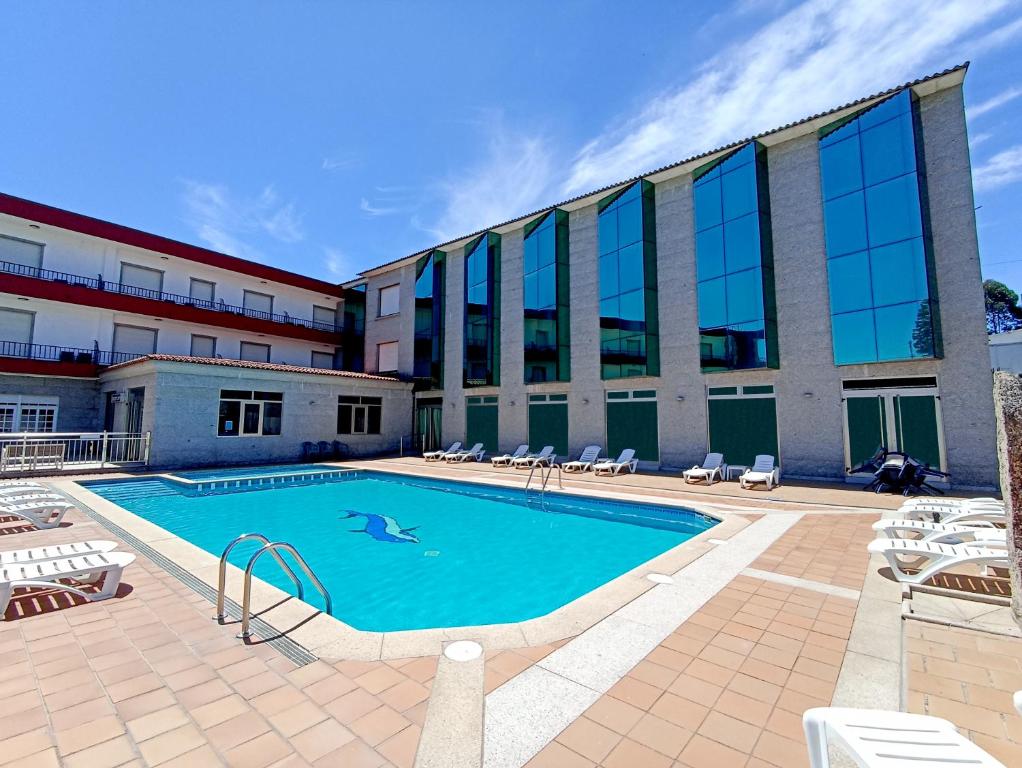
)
(816, 739)
(110, 584)
(5, 597)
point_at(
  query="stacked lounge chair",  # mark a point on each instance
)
(506, 458)
(439, 455)
(475, 453)
(545, 457)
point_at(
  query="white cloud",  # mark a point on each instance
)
(229, 224)
(338, 264)
(820, 54)
(339, 162)
(1000, 170)
(513, 177)
(1002, 98)
(978, 138)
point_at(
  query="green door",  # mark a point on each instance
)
(428, 424)
(548, 425)
(633, 424)
(867, 428)
(481, 423)
(741, 428)
(916, 422)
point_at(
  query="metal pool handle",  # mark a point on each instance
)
(222, 586)
(272, 549)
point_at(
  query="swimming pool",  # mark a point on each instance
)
(400, 552)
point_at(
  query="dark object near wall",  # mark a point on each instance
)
(897, 472)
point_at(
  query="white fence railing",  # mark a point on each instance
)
(31, 451)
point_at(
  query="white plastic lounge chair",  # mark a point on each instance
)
(40, 514)
(626, 460)
(544, 458)
(6, 484)
(876, 737)
(930, 559)
(506, 458)
(763, 471)
(943, 501)
(439, 455)
(475, 453)
(952, 516)
(25, 495)
(590, 455)
(713, 467)
(941, 533)
(85, 569)
(56, 551)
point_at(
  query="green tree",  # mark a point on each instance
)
(1003, 311)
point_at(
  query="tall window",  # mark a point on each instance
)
(734, 263)
(247, 413)
(482, 311)
(430, 284)
(629, 344)
(353, 339)
(546, 299)
(883, 298)
(390, 301)
(359, 415)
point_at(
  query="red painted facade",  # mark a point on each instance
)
(47, 368)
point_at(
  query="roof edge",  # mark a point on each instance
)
(218, 362)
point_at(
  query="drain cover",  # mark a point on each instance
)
(463, 650)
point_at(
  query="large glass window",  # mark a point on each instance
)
(244, 412)
(629, 344)
(430, 285)
(883, 298)
(546, 299)
(482, 311)
(353, 340)
(734, 263)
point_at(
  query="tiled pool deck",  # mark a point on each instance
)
(148, 678)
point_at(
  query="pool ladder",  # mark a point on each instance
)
(545, 477)
(271, 547)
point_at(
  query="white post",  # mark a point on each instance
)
(102, 456)
(148, 437)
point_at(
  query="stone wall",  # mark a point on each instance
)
(1008, 406)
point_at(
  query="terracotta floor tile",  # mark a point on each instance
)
(25, 745)
(321, 739)
(779, 751)
(694, 689)
(404, 695)
(219, 711)
(330, 688)
(297, 718)
(237, 730)
(352, 706)
(138, 706)
(379, 725)
(629, 754)
(682, 712)
(755, 688)
(657, 675)
(171, 744)
(614, 714)
(555, 755)
(743, 708)
(589, 739)
(635, 692)
(114, 752)
(729, 731)
(400, 749)
(261, 751)
(660, 735)
(701, 751)
(354, 754)
(156, 723)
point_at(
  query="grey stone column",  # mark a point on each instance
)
(454, 351)
(586, 412)
(513, 423)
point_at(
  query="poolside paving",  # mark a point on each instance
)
(148, 678)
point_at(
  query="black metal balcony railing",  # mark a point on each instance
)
(94, 356)
(98, 283)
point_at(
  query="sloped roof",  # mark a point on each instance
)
(224, 363)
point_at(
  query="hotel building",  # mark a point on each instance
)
(811, 292)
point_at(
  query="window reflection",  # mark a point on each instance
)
(545, 266)
(429, 319)
(482, 311)
(878, 249)
(734, 265)
(629, 344)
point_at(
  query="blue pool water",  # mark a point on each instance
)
(454, 554)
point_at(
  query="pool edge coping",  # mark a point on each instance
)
(328, 637)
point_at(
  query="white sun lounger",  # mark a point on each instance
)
(40, 514)
(713, 467)
(439, 455)
(875, 738)
(590, 455)
(943, 501)
(506, 458)
(475, 453)
(56, 551)
(86, 569)
(763, 471)
(25, 495)
(544, 458)
(951, 515)
(930, 559)
(626, 460)
(22, 484)
(940, 533)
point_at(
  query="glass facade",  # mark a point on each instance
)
(883, 298)
(734, 263)
(482, 311)
(547, 353)
(430, 284)
(353, 337)
(629, 344)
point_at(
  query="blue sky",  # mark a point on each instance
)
(326, 138)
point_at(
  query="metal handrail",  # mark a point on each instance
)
(550, 471)
(272, 548)
(222, 585)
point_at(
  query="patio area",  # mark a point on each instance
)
(797, 616)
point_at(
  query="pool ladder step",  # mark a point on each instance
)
(271, 547)
(545, 477)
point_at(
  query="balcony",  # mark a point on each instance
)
(111, 295)
(20, 357)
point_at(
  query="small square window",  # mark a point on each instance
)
(386, 356)
(390, 300)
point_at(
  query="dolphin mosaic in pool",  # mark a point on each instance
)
(383, 528)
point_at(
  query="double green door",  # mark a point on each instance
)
(899, 421)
